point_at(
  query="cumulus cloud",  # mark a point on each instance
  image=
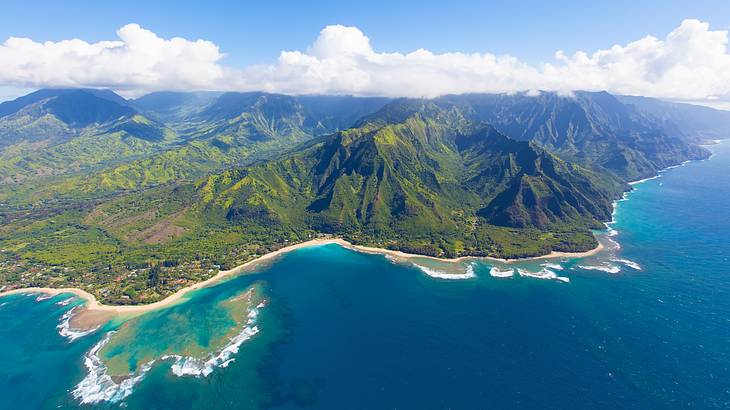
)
(691, 63)
(138, 60)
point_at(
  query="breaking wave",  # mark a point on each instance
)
(604, 268)
(98, 386)
(65, 330)
(66, 302)
(190, 366)
(498, 273)
(631, 264)
(468, 274)
(553, 266)
(543, 274)
(614, 245)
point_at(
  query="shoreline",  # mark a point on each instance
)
(95, 312)
(404, 255)
(93, 304)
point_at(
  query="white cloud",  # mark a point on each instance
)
(691, 63)
(139, 60)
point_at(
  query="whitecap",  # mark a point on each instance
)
(543, 274)
(553, 266)
(190, 366)
(66, 302)
(98, 386)
(604, 268)
(498, 273)
(65, 330)
(615, 244)
(468, 274)
(43, 296)
(631, 264)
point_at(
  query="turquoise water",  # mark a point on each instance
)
(341, 329)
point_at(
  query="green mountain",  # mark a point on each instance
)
(173, 107)
(231, 129)
(595, 129)
(240, 174)
(693, 123)
(71, 131)
(415, 175)
(87, 143)
(203, 133)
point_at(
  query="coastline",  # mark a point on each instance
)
(404, 255)
(96, 313)
(92, 304)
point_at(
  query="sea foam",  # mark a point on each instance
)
(468, 274)
(604, 268)
(98, 386)
(498, 273)
(66, 302)
(631, 264)
(65, 330)
(543, 274)
(190, 366)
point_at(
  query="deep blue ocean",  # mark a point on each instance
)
(346, 330)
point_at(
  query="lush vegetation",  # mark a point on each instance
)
(132, 201)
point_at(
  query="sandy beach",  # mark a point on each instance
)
(403, 255)
(95, 313)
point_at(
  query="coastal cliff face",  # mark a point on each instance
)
(132, 194)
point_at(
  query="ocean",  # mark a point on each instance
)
(644, 324)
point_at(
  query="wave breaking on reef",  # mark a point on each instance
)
(190, 366)
(468, 274)
(606, 267)
(553, 266)
(544, 273)
(65, 330)
(499, 273)
(99, 386)
(631, 264)
(66, 301)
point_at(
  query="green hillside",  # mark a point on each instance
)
(190, 184)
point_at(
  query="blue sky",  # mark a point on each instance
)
(256, 31)
(247, 33)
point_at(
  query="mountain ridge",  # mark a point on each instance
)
(259, 171)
